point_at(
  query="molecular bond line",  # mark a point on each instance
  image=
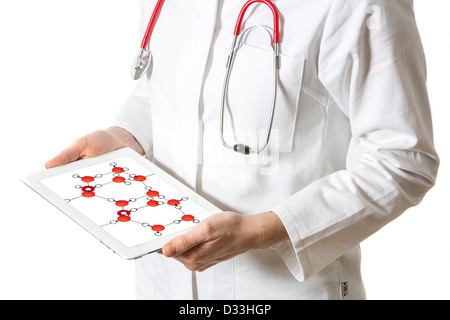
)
(152, 197)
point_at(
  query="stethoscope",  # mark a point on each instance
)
(144, 58)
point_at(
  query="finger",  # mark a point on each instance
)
(72, 153)
(176, 247)
(183, 243)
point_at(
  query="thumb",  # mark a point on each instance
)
(68, 155)
(183, 243)
(74, 152)
(177, 246)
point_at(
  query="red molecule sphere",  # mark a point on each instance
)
(117, 170)
(87, 179)
(158, 227)
(122, 203)
(124, 216)
(118, 179)
(140, 178)
(188, 217)
(153, 193)
(88, 189)
(173, 202)
(153, 203)
(88, 194)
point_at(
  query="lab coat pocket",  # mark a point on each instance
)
(249, 101)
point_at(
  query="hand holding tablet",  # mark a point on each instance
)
(124, 200)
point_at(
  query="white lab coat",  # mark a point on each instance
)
(351, 148)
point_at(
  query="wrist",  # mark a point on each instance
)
(125, 138)
(269, 230)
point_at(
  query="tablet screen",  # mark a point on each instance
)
(128, 201)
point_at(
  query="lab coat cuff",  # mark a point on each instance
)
(292, 251)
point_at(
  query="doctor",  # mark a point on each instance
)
(351, 146)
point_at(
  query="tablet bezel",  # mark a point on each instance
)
(34, 182)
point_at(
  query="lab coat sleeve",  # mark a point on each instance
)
(375, 72)
(135, 114)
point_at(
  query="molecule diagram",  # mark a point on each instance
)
(124, 210)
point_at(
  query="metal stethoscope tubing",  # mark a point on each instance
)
(237, 42)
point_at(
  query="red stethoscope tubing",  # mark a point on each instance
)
(276, 20)
(151, 24)
(237, 29)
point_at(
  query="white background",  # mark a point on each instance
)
(64, 72)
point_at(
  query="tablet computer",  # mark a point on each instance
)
(125, 201)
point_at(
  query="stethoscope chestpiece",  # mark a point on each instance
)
(141, 64)
(144, 58)
(241, 148)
